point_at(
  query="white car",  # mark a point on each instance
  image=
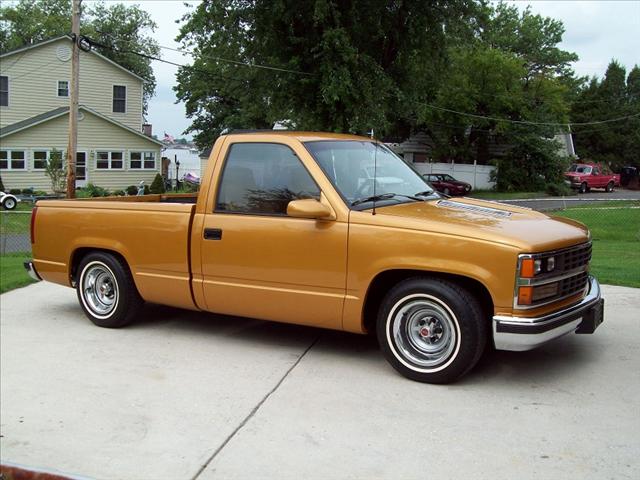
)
(8, 201)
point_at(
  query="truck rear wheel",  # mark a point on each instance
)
(609, 187)
(106, 290)
(431, 330)
(583, 188)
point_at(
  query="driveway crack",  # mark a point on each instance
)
(253, 411)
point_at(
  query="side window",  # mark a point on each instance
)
(261, 179)
(596, 172)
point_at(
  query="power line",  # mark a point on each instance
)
(526, 122)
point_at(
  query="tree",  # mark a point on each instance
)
(615, 144)
(55, 171)
(119, 27)
(351, 66)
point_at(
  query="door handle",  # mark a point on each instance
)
(213, 234)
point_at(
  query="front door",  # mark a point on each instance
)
(258, 262)
(81, 169)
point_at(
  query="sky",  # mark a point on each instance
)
(596, 30)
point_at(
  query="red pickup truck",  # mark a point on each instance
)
(585, 176)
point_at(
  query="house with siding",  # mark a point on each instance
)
(113, 151)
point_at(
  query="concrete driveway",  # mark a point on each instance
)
(181, 395)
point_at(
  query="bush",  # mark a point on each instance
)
(40, 193)
(15, 191)
(27, 191)
(147, 190)
(131, 190)
(558, 189)
(157, 186)
(96, 191)
(56, 173)
(1, 185)
(530, 166)
(119, 193)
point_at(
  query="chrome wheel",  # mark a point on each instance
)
(99, 289)
(9, 204)
(424, 332)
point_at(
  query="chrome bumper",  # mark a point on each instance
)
(31, 270)
(521, 333)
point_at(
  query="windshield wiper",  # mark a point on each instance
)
(426, 193)
(383, 196)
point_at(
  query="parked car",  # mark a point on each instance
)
(585, 176)
(8, 201)
(446, 184)
(287, 227)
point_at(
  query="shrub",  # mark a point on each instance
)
(15, 191)
(558, 189)
(157, 186)
(131, 190)
(119, 193)
(1, 185)
(40, 193)
(96, 191)
(147, 191)
(55, 172)
(27, 191)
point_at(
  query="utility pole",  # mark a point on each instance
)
(73, 101)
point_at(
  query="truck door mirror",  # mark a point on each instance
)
(309, 208)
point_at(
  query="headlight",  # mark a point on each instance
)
(531, 266)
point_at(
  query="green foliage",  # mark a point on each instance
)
(92, 190)
(1, 185)
(118, 193)
(119, 26)
(364, 65)
(615, 144)
(55, 171)
(27, 191)
(131, 190)
(531, 165)
(15, 191)
(559, 189)
(157, 186)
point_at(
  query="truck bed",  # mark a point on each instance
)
(151, 232)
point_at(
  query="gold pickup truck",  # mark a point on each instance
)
(331, 231)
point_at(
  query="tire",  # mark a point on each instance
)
(609, 187)
(431, 330)
(106, 291)
(9, 204)
(583, 188)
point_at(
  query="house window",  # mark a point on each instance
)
(12, 160)
(142, 160)
(63, 88)
(119, 98)
(40, 159)
(4, 91)
(106, 160)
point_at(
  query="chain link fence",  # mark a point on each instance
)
(15, 234)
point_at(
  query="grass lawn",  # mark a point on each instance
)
(492, 195)
(616, 242)
(15, 222)
(12, 272)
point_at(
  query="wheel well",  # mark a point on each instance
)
(384, 281)
(80, 253)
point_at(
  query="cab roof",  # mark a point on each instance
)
(303, 136)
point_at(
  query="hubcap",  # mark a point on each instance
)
(424, 332)
(100, 290)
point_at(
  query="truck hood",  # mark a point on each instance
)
(523, 228)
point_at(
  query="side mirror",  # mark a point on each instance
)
(309, 208)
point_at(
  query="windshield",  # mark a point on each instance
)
(351, 166)
(580, 168)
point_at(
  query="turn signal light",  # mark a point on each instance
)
(525, 295)
(527, 268)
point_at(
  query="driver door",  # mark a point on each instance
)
(258, 262)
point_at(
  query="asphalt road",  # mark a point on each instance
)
(183, 395)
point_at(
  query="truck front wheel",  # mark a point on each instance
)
(106, 291)
(431, 330)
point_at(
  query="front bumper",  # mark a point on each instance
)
(31, 270)
(522, 333)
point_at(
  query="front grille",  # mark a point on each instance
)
(573, 285)
(574, 257)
